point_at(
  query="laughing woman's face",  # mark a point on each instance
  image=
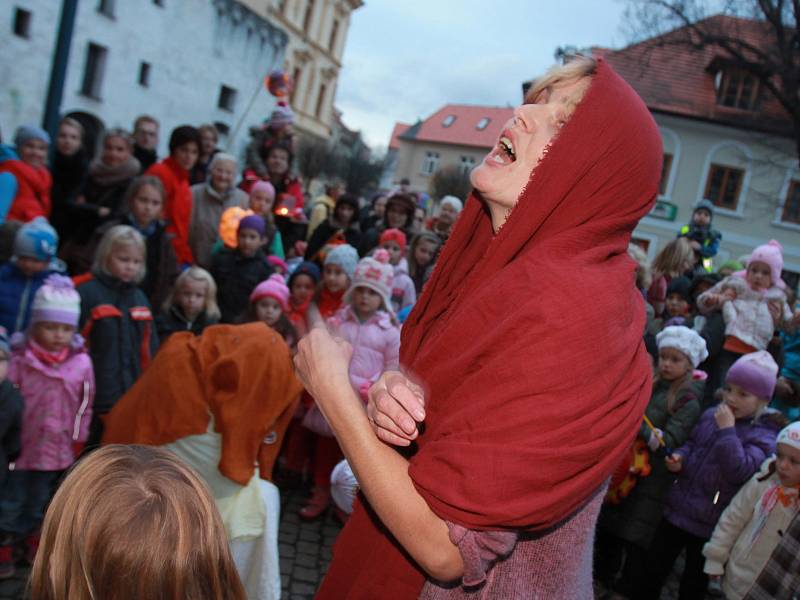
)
(506, 170)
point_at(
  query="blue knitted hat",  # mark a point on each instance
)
(36, 239)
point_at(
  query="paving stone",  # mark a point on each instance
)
(306, 560)
(307, 547)
(299, 587)
(309, 536)
(286, 550)
(303, 574)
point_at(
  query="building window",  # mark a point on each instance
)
(227, 98)
(791, 206)
(467, 164)
(93, 71)
(296, 75)
(106, 7)
(737, 89)
(723, 186)
(22, 23)
(666, 167)
(320, 101)
(448, 120)
(144, 74)
(430, 163)
(334, 33)
(483, 123)
(307, 17)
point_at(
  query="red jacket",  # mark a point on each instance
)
(33, 191)
(177, 206)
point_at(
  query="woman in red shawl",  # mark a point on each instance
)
(527, 342)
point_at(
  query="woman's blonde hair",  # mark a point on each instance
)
(132, 522)
(673, 258)
(72, 123)
(576, 67)
(196, 274)
(644, 276)
(116, 237)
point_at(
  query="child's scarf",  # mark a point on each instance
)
(529, 344)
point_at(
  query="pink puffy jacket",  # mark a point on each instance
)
(376, 345)
(58, 405)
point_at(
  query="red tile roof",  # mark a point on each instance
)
(463, 130)
(674, 78)
(399, 128)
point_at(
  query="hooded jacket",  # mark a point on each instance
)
(33, 187)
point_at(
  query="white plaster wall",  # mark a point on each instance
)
(192, 49)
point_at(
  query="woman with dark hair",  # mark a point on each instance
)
(373, 212)
(288, 208)
(399, 214)
(69, 169)
(173, 171)
(342, 224)
(525, 417)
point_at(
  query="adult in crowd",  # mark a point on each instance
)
(505, 483)
(209, 137)
(277, 129)
(101, 198)
(373, 212)
(28, 167)
(173, 171)
(69, 169)
(340, 226)
(447, 213)
(145, 135)
(289, 200)
(323, 206)
(399, 214)
(209, 200)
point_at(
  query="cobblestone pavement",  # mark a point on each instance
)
(305, 552)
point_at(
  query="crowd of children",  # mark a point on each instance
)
(714, 471)
(110, 257)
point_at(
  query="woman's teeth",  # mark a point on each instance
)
(507, 147)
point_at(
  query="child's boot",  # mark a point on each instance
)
(317, 504)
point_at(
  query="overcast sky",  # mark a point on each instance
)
(404, 59)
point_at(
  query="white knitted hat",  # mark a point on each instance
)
(56, 302)
(374, 272)
(685, 340)
(790, 435)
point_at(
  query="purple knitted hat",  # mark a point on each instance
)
(755, 373)
(56, 302)
(254, 222)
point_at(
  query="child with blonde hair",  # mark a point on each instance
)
(756, 519)
(116, 320)
(53, 373)
(191, 306)
(140, 512)
(672, 261)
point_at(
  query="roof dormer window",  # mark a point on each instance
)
(448, 120)
(482, 124)
(737, 88)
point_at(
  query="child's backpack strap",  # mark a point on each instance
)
(101, 311)
(142, 314)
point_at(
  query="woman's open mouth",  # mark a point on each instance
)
(504, 153)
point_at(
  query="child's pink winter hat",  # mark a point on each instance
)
(770, 254)
(274, 287)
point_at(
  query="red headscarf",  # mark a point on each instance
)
(526, 421)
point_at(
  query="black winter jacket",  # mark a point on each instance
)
(236, 277)
(11, 407)
(117, 323)
(174, 321)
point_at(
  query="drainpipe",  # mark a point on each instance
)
(58, 72)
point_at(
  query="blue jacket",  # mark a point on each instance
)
(16, 296)
(716, 463)
(8, 183)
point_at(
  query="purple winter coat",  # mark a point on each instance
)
(58, 405)
(716, 463)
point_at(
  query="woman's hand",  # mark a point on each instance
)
(674, 463)
(396, 404)
(322, 363)
(724, 416)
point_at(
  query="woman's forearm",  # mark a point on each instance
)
(383, 476)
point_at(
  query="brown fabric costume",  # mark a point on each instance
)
(242, 374)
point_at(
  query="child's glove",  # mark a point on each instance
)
(653, 442)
